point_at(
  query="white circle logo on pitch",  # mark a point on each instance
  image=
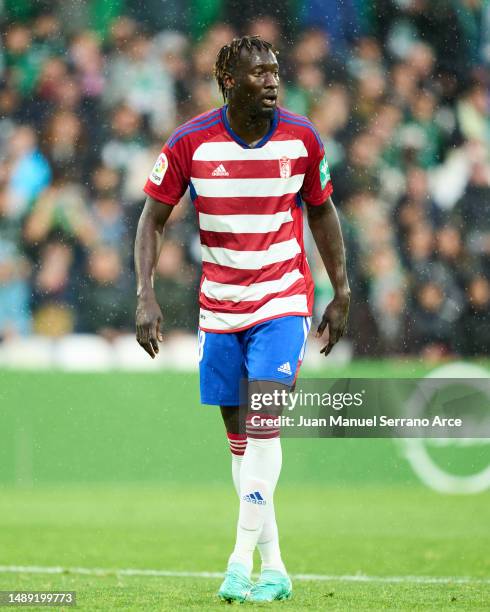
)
(420, 451)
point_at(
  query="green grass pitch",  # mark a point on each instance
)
(385, 531)
(126, 471)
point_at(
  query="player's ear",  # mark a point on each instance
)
(228, 81)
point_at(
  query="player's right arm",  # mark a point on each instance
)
(146, 252)
(165, 186)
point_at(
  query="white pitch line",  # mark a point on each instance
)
(97, 571)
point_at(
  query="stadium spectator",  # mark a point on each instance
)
(340, 21)
(65, 146)
(331, 115)
(22, 63)
(413, 208)
(27, 169)
(138, 77)
(61, 210)
(105, 300)
(125, 142)
(433, 315)
(359, 171)
(472, 213)
(419, 248)
(419, 138)
(451, 252)
(39, 107)
(53, 295)
(474, 330)
(472, 113)
(108, 218)
(15, 315)
(175, 286)
(88, 63)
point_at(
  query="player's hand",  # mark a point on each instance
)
(334, 321)
(148, 320)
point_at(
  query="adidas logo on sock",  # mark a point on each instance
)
(254, 498)
(220, 171)
(285, 368)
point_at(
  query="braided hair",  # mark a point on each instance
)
(228, 56)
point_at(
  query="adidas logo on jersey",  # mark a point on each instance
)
(285, 368)
(220, 171)
(255, 498)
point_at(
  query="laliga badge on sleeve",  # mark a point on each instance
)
(159, 169)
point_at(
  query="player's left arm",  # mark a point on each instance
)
(325, 227)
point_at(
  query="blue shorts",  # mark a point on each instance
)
(272, 350)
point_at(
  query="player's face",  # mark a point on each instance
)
(256, 83)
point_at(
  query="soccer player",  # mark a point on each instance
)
(251, 168)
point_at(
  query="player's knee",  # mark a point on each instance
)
(266, 402)
(234, 418)
(263, 426)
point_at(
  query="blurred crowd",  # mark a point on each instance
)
(399, 92)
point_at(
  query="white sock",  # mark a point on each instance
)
(268, 544)
(259, 472)
(236, 465)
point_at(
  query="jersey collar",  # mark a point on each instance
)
(240, 141)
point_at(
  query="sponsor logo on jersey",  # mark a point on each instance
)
(285, 167)
(220, 171)
(324, 172)
(159, 169)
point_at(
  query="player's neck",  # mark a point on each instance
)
(250, 129)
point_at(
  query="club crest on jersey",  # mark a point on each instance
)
(285, 167)
(159, 169)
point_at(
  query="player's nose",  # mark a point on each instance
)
(271, 81)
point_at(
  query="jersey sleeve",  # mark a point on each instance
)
(170, 175)
(317, 184)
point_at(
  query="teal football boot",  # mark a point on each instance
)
(236, 585)
(271, 586)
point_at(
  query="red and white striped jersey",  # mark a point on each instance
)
(249, 205)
